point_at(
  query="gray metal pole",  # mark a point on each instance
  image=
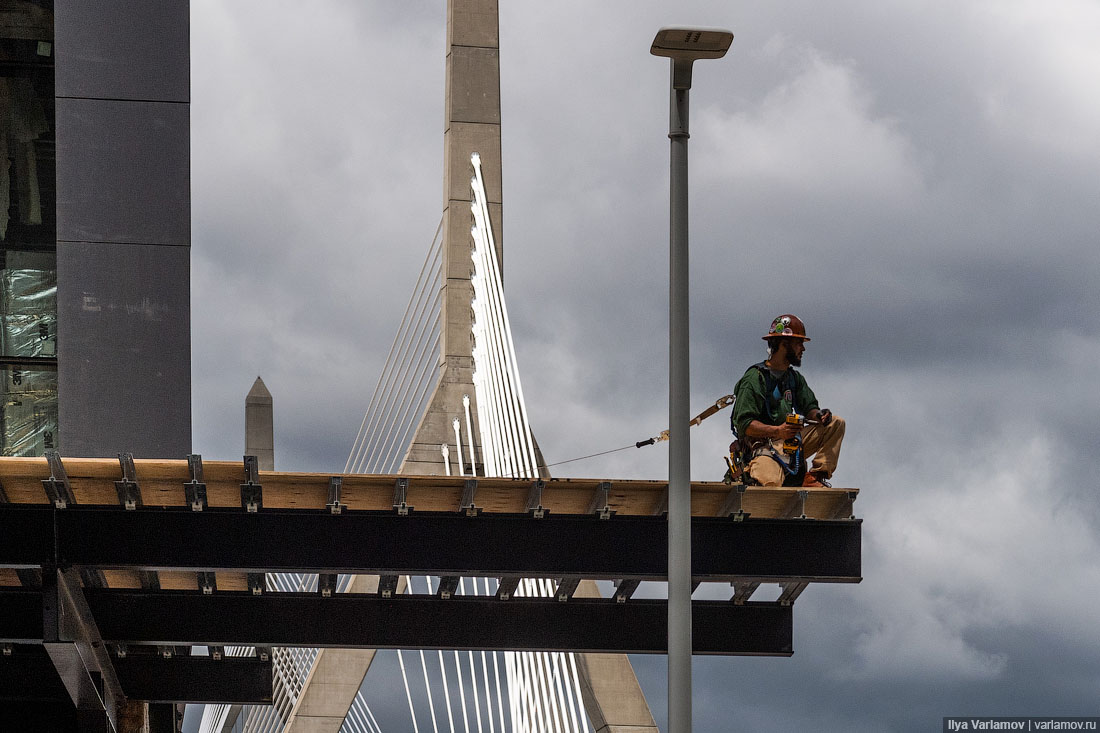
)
(679, 417)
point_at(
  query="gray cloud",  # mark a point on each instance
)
(918, 182)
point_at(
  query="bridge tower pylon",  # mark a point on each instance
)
(471, 125)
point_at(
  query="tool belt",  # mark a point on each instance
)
(793, 465)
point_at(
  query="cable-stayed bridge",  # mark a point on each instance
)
(510, 691)
(449, 401)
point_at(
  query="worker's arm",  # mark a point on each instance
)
(806, 399)
(749, 405)
(757, 429)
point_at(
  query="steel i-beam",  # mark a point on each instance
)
(452, 544)
(73, 642)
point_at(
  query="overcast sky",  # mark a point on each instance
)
(919, 181)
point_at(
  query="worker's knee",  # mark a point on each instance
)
(766, 471)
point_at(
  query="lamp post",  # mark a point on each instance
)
(683, 46)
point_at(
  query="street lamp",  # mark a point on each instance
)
(683, 46)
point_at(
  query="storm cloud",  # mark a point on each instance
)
(918, 181)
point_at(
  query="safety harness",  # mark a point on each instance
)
(774, 391)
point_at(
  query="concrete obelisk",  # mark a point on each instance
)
(259, 426)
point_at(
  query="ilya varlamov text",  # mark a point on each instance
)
(1027, 724)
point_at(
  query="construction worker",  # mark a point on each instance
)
(776, 417)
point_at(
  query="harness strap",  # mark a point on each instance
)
(772, 385)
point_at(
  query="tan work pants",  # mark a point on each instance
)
(820, 441)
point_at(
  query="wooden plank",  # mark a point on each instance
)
(232, 581)
(121, 579)
(178, 580)
(162, 481)
(22, 479)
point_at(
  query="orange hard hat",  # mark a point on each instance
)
(787, 325)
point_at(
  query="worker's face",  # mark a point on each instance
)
(795, 347)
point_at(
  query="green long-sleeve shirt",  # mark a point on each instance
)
(753, 404)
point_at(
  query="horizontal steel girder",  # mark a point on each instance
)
(638, 626)
(150, 677)
(28, 674)
(723, 549)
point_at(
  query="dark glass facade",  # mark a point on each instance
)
(28, 230)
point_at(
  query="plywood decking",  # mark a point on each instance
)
(161, 482)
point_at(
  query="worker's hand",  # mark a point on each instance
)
(824, 417)
(785, 431)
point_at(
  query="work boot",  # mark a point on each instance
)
(816, 480)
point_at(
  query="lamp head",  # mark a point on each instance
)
(684, 45)
(688, 44)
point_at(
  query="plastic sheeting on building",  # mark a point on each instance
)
(28, 328)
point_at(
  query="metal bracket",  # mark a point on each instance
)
(796, 507)
(401, 497)
(29, 577)
(625, 588)
(208, 583)
(326, 584)
(566, 588)
(387, 585)
(534, 500)
(149, 579)
(790, 591)
(195, 489)
(742, 591)
(735, 497)
(57, 485)
(448, 584)
(217, 653)
(263, 653)
(257, 583)
(121, 650)
(848, 507)
(600, 501)
(507, 588)
(252, 493)
(129, 495)
(335, 483)
(467, 505)
(92, 578)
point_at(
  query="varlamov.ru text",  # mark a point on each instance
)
(1028, 724)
